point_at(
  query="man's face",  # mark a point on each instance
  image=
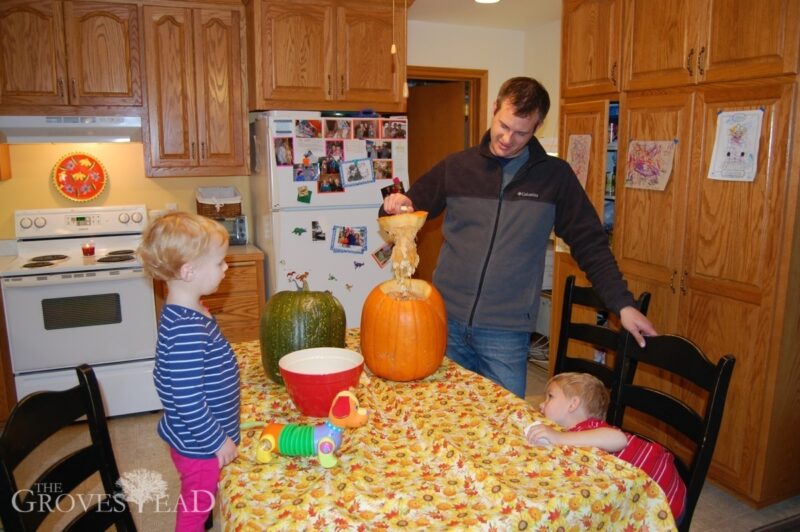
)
(510, 133)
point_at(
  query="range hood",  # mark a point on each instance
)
(49, 129)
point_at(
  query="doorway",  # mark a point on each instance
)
(446, 113)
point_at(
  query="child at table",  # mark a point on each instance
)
(578, 403)
(196, 373)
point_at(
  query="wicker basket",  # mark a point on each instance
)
(216, 202)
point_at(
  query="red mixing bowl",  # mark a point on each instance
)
(314, 376)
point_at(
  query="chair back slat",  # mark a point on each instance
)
(681, 361)
(592, 334)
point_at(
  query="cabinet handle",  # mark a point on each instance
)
(60, 87)
(614, 74)
(191, 150)
(701, 61)
(329, 84)
(683, 282)
(341, 86)
(689, 59)
(203, 150)
(672, 280)
(74, 88)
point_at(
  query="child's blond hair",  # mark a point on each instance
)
(172, 240)
(589, 389)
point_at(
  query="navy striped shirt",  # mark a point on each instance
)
(197, 379)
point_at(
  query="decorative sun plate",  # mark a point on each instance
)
(79, 177)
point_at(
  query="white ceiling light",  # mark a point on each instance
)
(487, 1)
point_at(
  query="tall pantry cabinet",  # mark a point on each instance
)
(721, 258)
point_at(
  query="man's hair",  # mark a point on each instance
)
(589, 389)
(172, 240)
(526, 95)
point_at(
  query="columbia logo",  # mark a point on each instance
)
(528, 194)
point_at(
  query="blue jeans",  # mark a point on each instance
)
(499, 355)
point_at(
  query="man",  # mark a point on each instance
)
(503, 198)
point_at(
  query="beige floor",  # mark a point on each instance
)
(137, 446)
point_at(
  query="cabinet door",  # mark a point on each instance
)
(588, 118)
(33, 63)
(744, 39)
(660, 43)
(731, 267)
(649, 228)
(590, 47)
(103, 53)
(170, 86)
(297, 47)
(218, 67)
(367, 71)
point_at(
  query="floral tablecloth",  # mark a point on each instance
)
(446, 452)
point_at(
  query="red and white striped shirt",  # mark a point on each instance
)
(651, 458)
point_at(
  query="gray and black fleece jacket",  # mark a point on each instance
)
(491, 263)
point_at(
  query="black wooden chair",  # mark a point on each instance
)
(32, 421)
(592, 334)
(692, 375)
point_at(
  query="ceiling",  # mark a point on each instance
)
(507, 14)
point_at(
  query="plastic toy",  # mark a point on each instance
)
(308, 440)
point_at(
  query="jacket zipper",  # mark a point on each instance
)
(488, 255)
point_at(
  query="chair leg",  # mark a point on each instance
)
(209, 524)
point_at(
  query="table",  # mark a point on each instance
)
(446, 452)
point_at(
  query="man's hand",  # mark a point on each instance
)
(397, 203)
(637, 324)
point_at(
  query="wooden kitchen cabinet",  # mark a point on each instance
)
(590, 47)
(668, 44)
(69, 53)
(720, 258)
(195, 80)
(326, 55)
(238, 302)
(717, 255)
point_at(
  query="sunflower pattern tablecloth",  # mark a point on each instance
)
(446, 452)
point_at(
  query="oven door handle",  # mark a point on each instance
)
(27, 281)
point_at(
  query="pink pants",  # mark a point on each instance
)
(199, 478)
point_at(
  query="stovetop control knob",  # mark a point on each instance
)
(39, 222)
(124, 218)
(137, 217)
(25, 223)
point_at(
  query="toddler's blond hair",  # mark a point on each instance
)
(589, 389)
(172, 240)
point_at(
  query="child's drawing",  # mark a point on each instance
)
(578, 156)
(736, 146)
(649, 164)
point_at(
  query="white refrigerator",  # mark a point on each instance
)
(316, 187)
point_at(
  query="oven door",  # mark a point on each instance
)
(63, 320)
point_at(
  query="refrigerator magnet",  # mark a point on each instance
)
(357, 172)
(349, 239)
(303, 194)
(383, 255)
(383, 168)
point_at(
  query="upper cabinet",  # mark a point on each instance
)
(195, 80)
(55, 53)
(326, 55)
(683, 42)
(590, 47)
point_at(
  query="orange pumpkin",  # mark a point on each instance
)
(403, 335)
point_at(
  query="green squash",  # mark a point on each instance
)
(300, 319)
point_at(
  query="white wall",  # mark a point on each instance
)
(543, 62)
(503, 53)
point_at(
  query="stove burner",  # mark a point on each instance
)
(37, 264)
(48, 258)
(122, 252)
(115, 258)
